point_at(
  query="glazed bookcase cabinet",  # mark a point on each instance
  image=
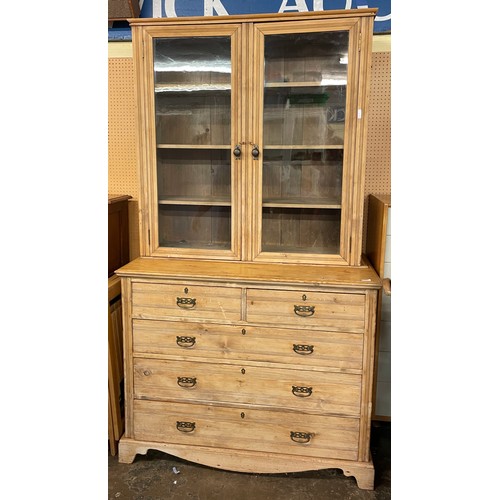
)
(249, 318)
(253, 134)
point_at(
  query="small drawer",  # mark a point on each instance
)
(301, 348)
(315, 391)
(328, 310)
(161, 300)
(267, 431)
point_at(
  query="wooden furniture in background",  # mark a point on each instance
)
(249, 320)
(118, 234)
(118, 255)
(378, 245)
(121, 10)
(115, 364)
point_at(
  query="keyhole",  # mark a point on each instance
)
(242, 414)
(243, 371)
(304, 297)
(243, 331)
(186, 290)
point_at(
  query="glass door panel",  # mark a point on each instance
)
(305, 89)
(192, 83)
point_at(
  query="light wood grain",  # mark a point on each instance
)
(249, 320)
(246, 384)
(259, 430)
(327, 350)
(250, 461)
(251, 272)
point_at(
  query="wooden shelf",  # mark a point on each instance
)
(277, 249)
(304, 146)
(303, 84)
(298, 203)
(193, 146)
(184, 200)
(194, 87)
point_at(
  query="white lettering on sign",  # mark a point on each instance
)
(157, 8)
(170, 8)
(300, 6)
(215, 5)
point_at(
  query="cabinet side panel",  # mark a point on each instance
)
(127, 349)
(367, 385)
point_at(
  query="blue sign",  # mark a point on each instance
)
(182, 8)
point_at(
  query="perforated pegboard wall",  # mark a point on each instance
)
(378, 150)
(122, 154)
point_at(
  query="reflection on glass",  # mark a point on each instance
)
(195, 227)
(305, 89)
(192, 83)
(319, 58)
(193, 118)
(307, 176)
(194, 174)
(193, 91)
(304, 118)
(300, 230)
(192, 61)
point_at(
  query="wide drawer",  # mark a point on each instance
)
(302, 348)
(161, 300)
(315, 391)
(341, 311)
(247, 429)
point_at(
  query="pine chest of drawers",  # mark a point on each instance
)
(250, 367)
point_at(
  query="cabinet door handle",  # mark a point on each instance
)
(255, 152)
(237, 151)
(186, 426)
(301, 437)
(186, 381)
(303, 349)
(301, 392)
(186, 341)
(186, 302)
(303, 310)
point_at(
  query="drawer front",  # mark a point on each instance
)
(258, 430)
(314, 391)
(302, 348)
(160, 300)
(341, 311)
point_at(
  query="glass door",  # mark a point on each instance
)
(305, 107)
(195, 211)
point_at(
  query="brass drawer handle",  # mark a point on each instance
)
(301, 392)
(186, 302)
(303, 349)
(186, 341)
(301, 437)
(186, 381)
(186, 426)
(303, 310)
